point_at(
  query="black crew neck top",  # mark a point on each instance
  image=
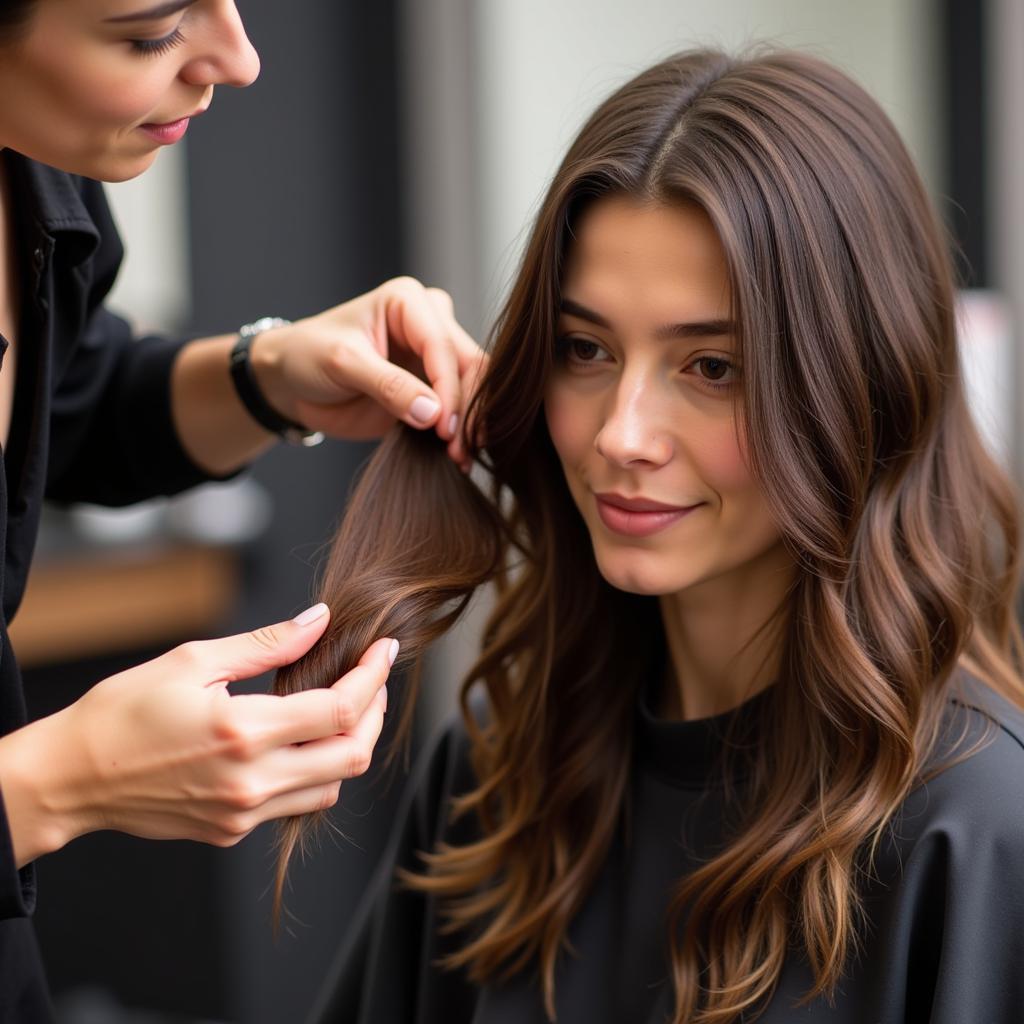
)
(695, 753)
(944, 941)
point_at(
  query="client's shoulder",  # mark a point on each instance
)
(452, 740)
(444, 770)
(973, 698)
(972, 794)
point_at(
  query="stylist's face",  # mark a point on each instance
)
(96, 87)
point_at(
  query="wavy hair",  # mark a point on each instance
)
(904, 530)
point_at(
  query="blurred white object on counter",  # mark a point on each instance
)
(233, 512)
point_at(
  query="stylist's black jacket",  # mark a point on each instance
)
(91, 422)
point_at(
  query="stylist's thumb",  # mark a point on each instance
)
(260, 650)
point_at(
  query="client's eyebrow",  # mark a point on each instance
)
(693, 329)
(164, 10)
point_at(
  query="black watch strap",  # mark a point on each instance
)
(249, 391)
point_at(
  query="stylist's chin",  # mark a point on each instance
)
(143, 145)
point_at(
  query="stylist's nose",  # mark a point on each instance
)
(228, 58)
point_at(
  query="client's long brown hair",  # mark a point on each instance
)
(416, 541)
(905, 530)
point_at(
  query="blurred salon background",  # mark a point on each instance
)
(387, 138)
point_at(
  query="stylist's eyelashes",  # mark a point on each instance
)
(154, 47)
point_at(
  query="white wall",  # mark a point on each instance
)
(151, 211)
(543, 66)
(1006, 197)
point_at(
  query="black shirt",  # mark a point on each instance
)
(91, 422)
(944, 941)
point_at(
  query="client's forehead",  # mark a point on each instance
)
(660, 262)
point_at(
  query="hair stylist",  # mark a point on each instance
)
(89, 91)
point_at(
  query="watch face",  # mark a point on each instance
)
(248, 389)
(304, 438)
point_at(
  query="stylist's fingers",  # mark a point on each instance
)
(468, 436)
(415, 322)
(328, 761)
(248, 654)
(468, 354)
(471, 360)
(299, 802)
(467, 432)
(401, 393)
(314, 714)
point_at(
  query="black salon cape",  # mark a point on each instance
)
(91, 422)
(945, 942)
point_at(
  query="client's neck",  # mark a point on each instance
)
(724, 636)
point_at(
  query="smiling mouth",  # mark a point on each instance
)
(173, 124)
(639, 517)
(160, 125)
(166, 134)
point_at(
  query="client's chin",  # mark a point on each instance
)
(648, 573)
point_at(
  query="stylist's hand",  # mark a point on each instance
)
(395, 353)
(166, 752)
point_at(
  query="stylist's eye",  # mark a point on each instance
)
(154, 47)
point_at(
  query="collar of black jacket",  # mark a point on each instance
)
(54, 206)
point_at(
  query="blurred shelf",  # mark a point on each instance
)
(107, 601)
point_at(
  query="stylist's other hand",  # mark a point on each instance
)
(164, 751)
(394, 353)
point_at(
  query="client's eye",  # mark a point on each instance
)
(576, 350)
(715, 372)
(715, 369)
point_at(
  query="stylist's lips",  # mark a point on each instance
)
(638, 517)
(169, 133)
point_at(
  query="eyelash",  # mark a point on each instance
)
(155, 47)
(565, 353)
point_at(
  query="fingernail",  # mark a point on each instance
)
(393, 652)
(453, 424)
(318, 611)
(424, 409)
(382, 693)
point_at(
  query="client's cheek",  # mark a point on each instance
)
(721, 461)
(744, 511)
(567, 428)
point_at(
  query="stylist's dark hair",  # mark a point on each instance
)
(905, 531)
(14, 16)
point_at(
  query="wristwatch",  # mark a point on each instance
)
(249, 390)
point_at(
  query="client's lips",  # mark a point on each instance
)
(638, 517)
